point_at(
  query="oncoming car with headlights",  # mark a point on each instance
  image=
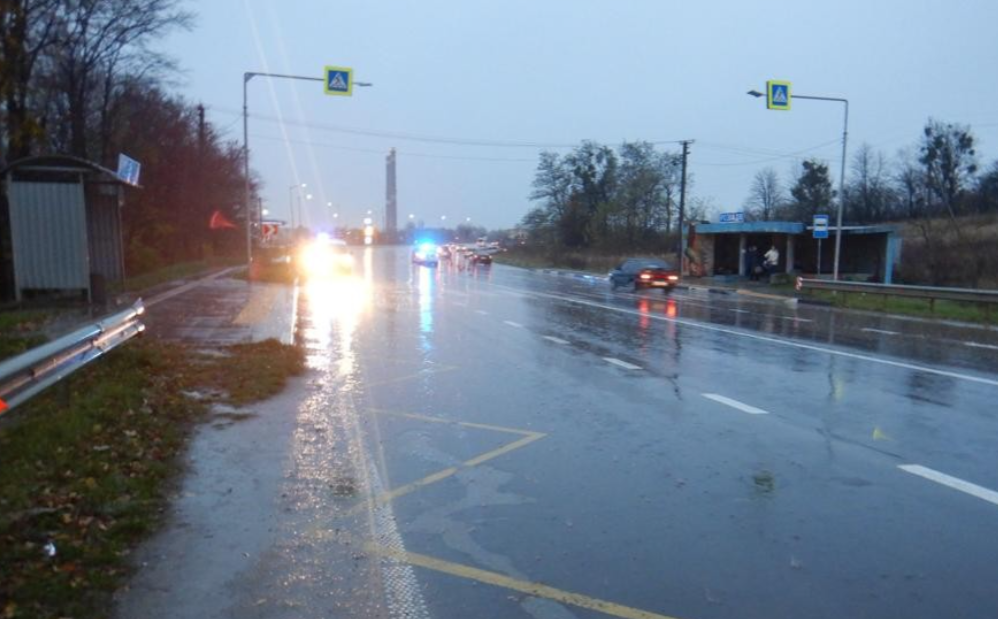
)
(325, 257)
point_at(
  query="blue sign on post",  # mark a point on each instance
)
(820, 226)
(338, 81)
(128, 169)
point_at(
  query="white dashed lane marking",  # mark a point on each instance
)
(745, 408)
(622, 364)
(976, 345)
(556, 340)
(952, 482)
(513, 324)
(881, 331)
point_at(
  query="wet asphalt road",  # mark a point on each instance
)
(503, 443)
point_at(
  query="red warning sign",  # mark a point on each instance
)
(3, 406)
(269, 229)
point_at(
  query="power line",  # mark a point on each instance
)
(382, 152)
(771, 159)
(413, 137)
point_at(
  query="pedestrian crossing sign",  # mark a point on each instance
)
(777, 95)
(339, 81)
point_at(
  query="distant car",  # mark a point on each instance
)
(425, 253)
(444, 252)
(480, 257)
(644, 273)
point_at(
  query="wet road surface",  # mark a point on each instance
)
(504, 443)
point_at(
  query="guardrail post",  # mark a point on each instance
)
(932, 305)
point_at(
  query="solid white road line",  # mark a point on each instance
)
(745, 408)
(796, 319)
(976, 345)
(772, 340)
(169, 294)
(513, 324)
(622, 364)
(953, 482)
(556, 340)
(881, 331)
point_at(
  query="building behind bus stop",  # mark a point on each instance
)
(869, 253)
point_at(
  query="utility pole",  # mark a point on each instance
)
(682, 205)
(200, 204)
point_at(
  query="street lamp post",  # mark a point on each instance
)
(247, 76)
(842, 172)
(291, 201)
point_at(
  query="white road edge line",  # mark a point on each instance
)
(953, 482)
(622, 364)
(556, 340)
(745, 408)
(880, 331)
(764, 338)
(513, 324)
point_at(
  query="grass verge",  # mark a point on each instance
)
(20, 331)
(86, 466)
(948, 310)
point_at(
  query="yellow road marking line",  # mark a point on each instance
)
(523, 586)
(495, 453)
(391, 495)
(466, 424)
(412, 376)
(416, 485)
(258, 307)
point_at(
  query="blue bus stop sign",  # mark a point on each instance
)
(820, 226)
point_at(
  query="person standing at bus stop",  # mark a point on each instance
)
(772, 260)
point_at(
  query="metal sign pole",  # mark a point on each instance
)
(819, 257)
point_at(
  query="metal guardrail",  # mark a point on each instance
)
(932, 293)
(29, 373)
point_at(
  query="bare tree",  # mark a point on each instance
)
(27, 30)
(869, 196)
(766, 195)
(99, 41)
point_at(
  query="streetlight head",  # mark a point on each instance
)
(308, 196)
(303, 185)
(756, 93)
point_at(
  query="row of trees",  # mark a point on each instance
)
(82, 77)
(939, 178)
(598, 196)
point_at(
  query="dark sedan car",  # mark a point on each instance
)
(644, 273)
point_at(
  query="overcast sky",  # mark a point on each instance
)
(555, 72)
